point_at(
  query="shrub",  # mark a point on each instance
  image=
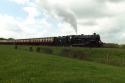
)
(38, 49)
(73, 53)
(44, 50)
(111, 45)
(122, 46)
(16, 47)
(66, 52)
(30, 49)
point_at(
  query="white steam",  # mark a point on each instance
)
(59, 11)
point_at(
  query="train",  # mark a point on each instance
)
(69, 40)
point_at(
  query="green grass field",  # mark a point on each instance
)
(100, 65)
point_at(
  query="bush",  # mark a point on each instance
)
(48, 50)
(38, 49)
(111, 45)
(30, 49)
(122, 46)
(44, 50)
(66, 52)
(16, 47)
(73, 53)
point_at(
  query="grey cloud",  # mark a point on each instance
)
(115, 0)
(95, 9)
(114, 33)
(91, 13)
(91, 10)
(112, 37)
(60, 12)
(88, 23)
(99, 10)
(110, 1)
(14, 28)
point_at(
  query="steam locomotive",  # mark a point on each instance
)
(70, 40)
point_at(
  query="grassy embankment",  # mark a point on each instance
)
(19, 66)
(110, 56)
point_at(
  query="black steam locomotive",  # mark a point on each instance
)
(71, 40)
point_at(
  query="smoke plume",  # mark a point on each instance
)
(60, 11)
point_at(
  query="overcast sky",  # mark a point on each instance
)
(40, 18)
